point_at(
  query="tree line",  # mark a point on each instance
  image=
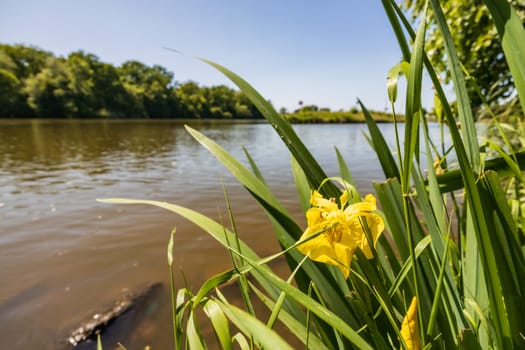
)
(35, 83)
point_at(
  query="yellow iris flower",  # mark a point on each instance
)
(409, 331)
(342, 231)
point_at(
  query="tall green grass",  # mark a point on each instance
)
(447, 272)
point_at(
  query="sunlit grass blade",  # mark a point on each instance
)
(508, 258)
(219, 323)
(371, 293)
(279, 303)
(301, 185)
(241, 341)
(216, 230)
(285, 228)
(380, 146)
(511, 162)
(181, 304)
(320, 311)
(343, 169)
(237, 260)
(314, 173)
(193, 335)
(264, 337)
(252, 183)
(413, 105)
(388, 193)
(411, 151)
(216, 281)
(500, 264)
(393, 77)
(407, 266)
(466, 118)
(390, 10)
(254, 166)
(437, 294)
(172, 289)
(296, 327)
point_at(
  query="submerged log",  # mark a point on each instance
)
(101, 321)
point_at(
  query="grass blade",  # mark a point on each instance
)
(219, 323)
(344, 170)
(468, 126)
(512, 34)
(264, 337)
(314, 173)
(296, 327)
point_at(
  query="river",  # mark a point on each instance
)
(64, 256)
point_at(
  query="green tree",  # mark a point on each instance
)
(192, 100)
(96, 88)
(17, 63)
(151, 88)
(35, 83)
(113, 100)
(478, 45)
(11, 95)
(48, 92)
(244, 108)
(81, 76)
(220, 102)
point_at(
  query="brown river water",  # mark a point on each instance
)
(65, 257)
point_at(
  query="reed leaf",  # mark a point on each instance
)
(508, 257)
(413, 105)
(241, 340)
(314, 173)
(292, 323)
(219, 323)
(301, 185)
(512, 36)
(285, 228)
(316, 308)
(466, 118)
(193, 335)
(264, 337)
(380, 146)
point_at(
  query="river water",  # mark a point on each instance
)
(65, 257)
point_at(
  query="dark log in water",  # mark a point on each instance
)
(120, 319)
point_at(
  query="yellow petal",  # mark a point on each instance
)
(371, 199)
(314, 216)
(317, 200)
(409, 328)
(359, 207)
(343, 230)
(320, 249)
(344, 198)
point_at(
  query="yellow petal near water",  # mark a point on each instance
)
(409, 328)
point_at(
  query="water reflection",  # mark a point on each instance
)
(52, 144)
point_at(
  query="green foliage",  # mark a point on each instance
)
(326, 116)
(453, 248)
(476, 40)
(35, 83)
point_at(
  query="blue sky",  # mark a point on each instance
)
(327, 53)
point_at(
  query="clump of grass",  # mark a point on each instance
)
(447, 272)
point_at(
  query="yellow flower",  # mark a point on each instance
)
(409, 330)
(342, 230)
